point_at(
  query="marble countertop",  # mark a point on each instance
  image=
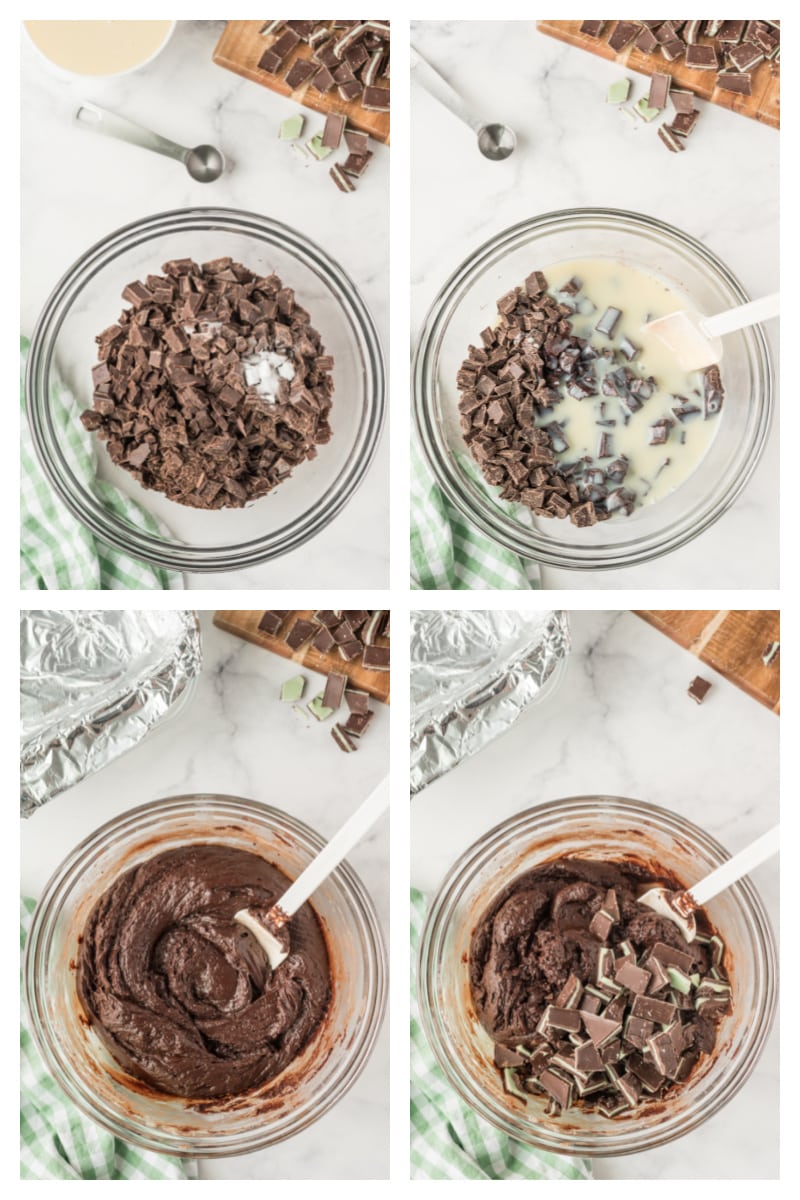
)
(77, 187)
(235, 737)
(621, 724)
(575, 150)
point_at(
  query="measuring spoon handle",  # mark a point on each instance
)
(91, 116)
(438, 87)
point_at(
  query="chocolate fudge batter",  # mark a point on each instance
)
(587, 994)
(180, 993)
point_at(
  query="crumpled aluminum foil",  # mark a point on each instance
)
(472, 674)
(92, 685)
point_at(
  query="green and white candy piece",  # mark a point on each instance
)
(645, 111)
(618, 91)
(511, 1083)
(293, 689)
(679, 980)
(316, 147)
(318, 709)
(292, 128)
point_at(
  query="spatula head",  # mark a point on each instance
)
(682, 334)
(276, 949)
(663, 902)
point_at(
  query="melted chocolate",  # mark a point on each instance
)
(180, 993)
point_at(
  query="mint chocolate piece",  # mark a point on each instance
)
(608, 322)
(659, 90)
(343, 739)
(651, 1009)
(699, 689)
(301, 632)
(739, 82)
(623, 34)
(702, 58)
(272, 620)
(334, 690)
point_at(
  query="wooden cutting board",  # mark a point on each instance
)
(240, 48)
(732, 642)
(244, 624)
(762, 105)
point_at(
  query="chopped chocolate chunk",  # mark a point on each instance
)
(651, 1009)
(699, 689)
(682, 102)
(357, 723)
(357, 702)
(334, 128)
(684, 123)
(299, 73)
(608, 322)
(770, 653)
(701, 58)
(201, 393)
(334, 690)
(300, 633)
(670, 139)
(592, 28)
(623, 34)
(343, 739)
(357, 143)
(342, 180)
(659, 90)
(504, 1056)
(376, 658)
(272, 620)
(356, 164)
(735, 81)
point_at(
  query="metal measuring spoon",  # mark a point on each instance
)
(204, 163)
(495, 141)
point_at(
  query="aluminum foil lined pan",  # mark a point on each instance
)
(92, 685)
(472, 675)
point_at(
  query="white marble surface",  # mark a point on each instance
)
(236, 737)
(575, 150)
(622, 724)
(77, 187)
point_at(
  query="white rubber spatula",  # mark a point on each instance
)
(277, 918)
(679, 907)
(694, 339)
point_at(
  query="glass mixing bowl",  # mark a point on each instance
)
(599, 827)
(94, 1081)
(467, 302)
(89, 298)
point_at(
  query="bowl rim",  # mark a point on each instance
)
(130, 539)
(528, 544)
(440, 910)
(40, 936)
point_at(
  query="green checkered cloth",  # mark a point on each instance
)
(448, 552)
(449, 1140)
(56, 1140)
(56, 551)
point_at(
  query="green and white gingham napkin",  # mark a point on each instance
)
(56, 551)
(449, 1140)
(56, 1140)
(448, 552)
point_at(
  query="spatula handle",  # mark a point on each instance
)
(742, 316)
(337, 849)
(752, 856)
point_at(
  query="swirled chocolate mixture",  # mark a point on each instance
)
(180, 993)
(590, 997)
